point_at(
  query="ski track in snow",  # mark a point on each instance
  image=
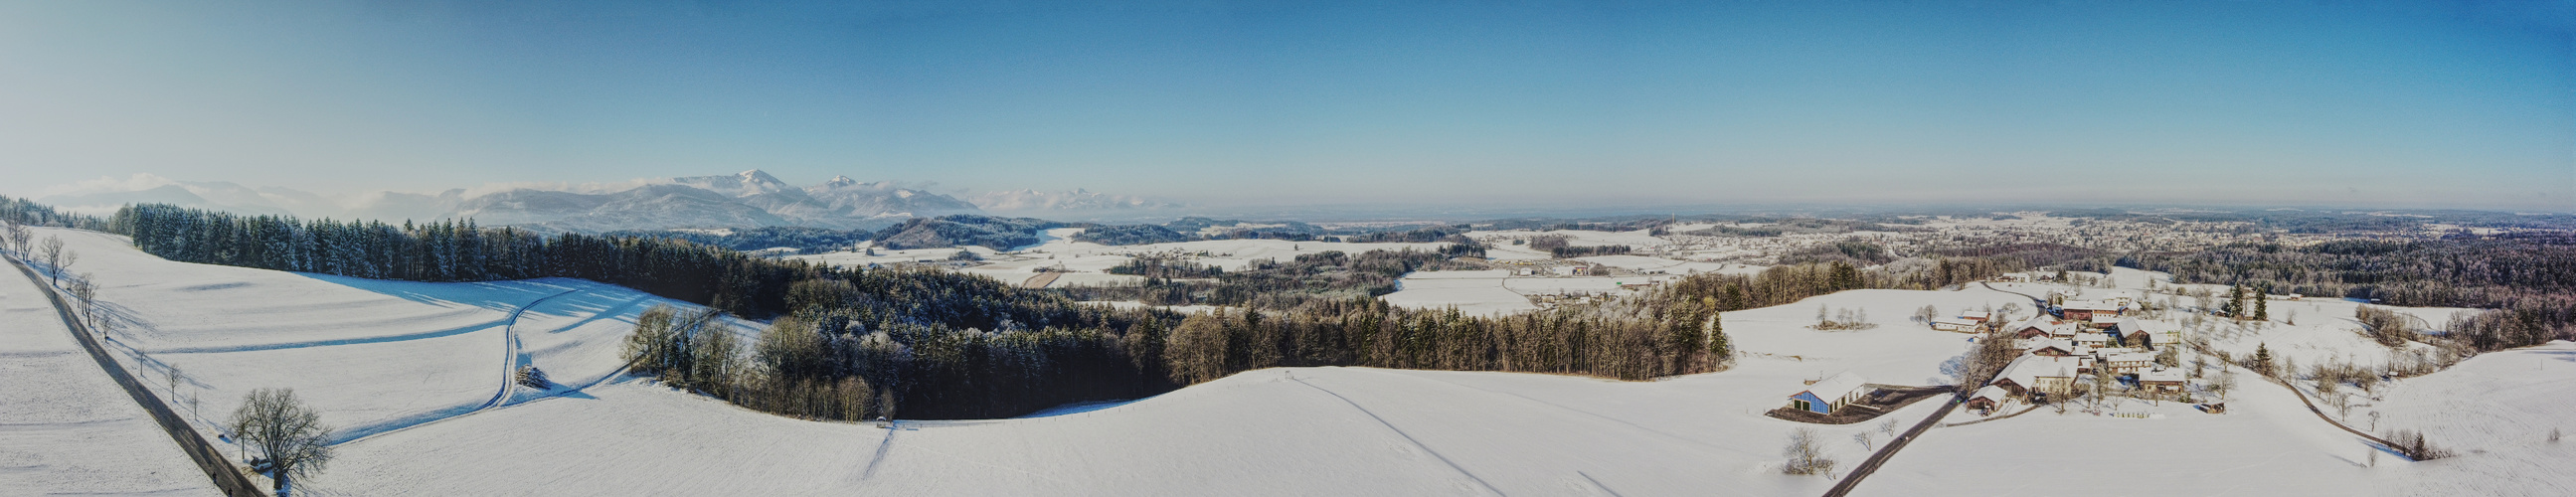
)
(510, 362)
(1658, 433)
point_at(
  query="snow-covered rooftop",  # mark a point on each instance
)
(2090, 305)
(1991, 392)
(2028, 369)
(1837, 387)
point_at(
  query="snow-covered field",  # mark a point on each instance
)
(373, 356)
(421, 367)
(65, 428)
(2497, 411)
(1497, 291)
(1472, 292)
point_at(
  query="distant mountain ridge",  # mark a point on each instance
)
(749, 199)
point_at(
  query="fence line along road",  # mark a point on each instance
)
(226, 476)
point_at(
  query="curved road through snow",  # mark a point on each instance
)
(2042, 303)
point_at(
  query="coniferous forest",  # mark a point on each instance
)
(2528, 279)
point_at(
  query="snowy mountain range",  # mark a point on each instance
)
(743, 200)
(749, 199)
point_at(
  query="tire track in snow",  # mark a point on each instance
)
(604, 314)
(1597, 484)
(883, 447)
(1408, 437)
(1661, 433)
(2042, 303)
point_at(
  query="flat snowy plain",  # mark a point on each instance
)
(418, 371)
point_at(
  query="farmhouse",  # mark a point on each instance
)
(2084, 310)
(2042, 326)
(1975, 316)
(1954, 324)
(2045, 375)
(1826, 395)
(2054, 348)
(2157, 333)
(1987, 398)
(2161, 380)
(2124, 361)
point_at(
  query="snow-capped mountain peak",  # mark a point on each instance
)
(744, 184)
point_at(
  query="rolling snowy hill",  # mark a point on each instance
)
(415, 373)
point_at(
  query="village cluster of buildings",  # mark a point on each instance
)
(2086, 338)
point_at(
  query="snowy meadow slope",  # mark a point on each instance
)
(65, 427)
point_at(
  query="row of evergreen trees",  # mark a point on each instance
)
(29, 213)
(943, 344)
(454, 251)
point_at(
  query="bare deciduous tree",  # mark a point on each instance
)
(290, 437)
(85, 296)
(1196, 349)
(2226, 381)
(15, 236)
(170, 375)
(1806, 455)
(51, 251)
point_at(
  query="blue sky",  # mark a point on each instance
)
(2407, 104)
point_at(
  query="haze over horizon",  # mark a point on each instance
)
(2447, 105)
